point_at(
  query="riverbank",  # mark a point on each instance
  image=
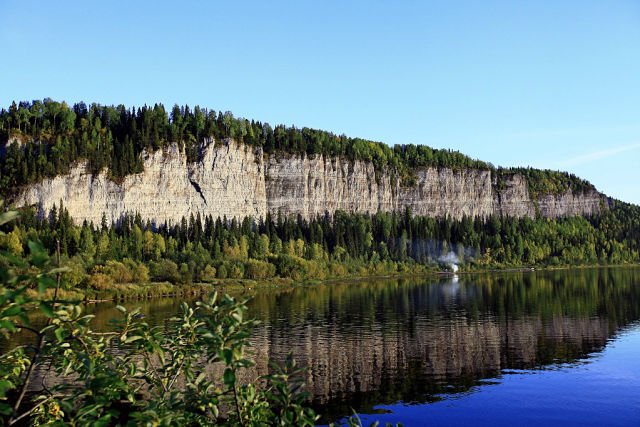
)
(543, 268)
(136, 291)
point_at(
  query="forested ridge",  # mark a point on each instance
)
(53, 136)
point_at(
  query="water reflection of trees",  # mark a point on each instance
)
(416, 340)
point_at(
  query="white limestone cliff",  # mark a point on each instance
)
(235, 180)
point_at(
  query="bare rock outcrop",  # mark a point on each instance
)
(315, 186)
(236, 180)
(227, 180)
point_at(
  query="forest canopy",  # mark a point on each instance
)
(204, 249)
(43, 139)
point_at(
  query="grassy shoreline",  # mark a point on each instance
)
(134, 291)
(129, 291)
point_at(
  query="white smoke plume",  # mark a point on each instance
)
(451, 259)
(431, 251)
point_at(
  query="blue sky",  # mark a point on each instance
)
(550, 84)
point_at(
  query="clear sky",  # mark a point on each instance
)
(550, 84)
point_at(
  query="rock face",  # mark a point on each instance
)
(311, 187)
(227, 180)
(236, 180)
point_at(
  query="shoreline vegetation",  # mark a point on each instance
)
(135, 291)
(134, 258)
(43, 138)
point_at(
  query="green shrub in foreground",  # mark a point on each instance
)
(157, 376)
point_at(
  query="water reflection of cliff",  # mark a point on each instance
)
(412, 340)
(371, 343)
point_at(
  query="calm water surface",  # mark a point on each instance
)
(546, 348)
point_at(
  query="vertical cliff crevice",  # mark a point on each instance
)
(198, 190)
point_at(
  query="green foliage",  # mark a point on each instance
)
(542, 182)
(300, 250)
(164, 271)
(52, 136)
(258, 270)
(209, 273)
(127, 271)
(158, 376)
(75, 274)
(100, 282)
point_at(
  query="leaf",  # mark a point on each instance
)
(59, 270)
(60, 333)
(227, 355)
(7, 325)
(5, 385)
(14, 261)
(42, 287)
(12, 311)
(229, 377)
(200, 378)
(48, 281)
(5, 409)
(39, 259)
(46, 308)
(35, 247)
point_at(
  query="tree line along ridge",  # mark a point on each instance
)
(52, 136)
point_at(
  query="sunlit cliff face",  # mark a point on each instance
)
(234, 180)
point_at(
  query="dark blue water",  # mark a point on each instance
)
(526, 348)
(602, 389)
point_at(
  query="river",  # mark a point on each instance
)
(519, 348)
